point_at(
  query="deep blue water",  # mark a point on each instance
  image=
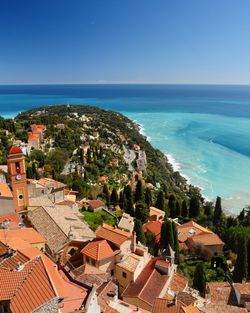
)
(205, 129)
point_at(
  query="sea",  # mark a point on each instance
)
(203, 129)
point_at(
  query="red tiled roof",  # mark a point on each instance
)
(189, 229)
(28, 234)
(15, 150)
(105, 293)
(207, 239)
(165, 306)
(12, 217)
(244, 288)
(95, 203)
(38, 288)
(5, 191)
(99, 250)
(12, 262)
(114, 235)
(154, 227)
(178, 283)
(148, 285)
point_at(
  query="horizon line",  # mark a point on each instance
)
(123, 83)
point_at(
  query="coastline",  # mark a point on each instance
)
(175, 165)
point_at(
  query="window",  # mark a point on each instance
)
(93, 262)
(20, 197)
(87, 259)
(124, 275)
(17, 167)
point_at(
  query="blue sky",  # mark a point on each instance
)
(98, 41)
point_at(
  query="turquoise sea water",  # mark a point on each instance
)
(204, 130)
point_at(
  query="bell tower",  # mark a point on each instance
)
(18, 182)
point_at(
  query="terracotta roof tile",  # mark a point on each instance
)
(164, 306)
(189, 229)
(99, 250)
(5, 191)
(28, 234)
(12, 217)
(13, 261)
(207, 239)
(50, 183)
(95, 203)
(114, 235)
(244, 289)
(221, 293)
(153, 227)
(148, 285)
(15, 150)
(177, 283)
(220, 308)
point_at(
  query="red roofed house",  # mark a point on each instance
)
(94, 205)
(34, 284)
(152, 283)
(101, 254)
(121, 239)
(196, 237)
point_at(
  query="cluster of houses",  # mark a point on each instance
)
(51, 261)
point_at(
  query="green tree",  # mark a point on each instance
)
(160, 201)
(114, 199)
(148, 197)
(171, 205)
(139, 191)
(177, 209)
(199, 281)
(241, 266)
(208, 208)
(217, 212)
(141, 211)
(140, 236)
(167, 236)
(194, 207)
(175, 236)
(184, 209)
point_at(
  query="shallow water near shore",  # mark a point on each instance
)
(203, 129)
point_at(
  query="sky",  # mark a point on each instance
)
(124, 41)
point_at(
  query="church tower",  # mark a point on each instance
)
(18, 182)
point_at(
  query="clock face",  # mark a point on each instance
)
(18, 177)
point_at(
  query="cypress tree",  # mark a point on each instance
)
(128, 192)
(199, 281)
(171, 206)
(177, 209)
(217, 212)
(139, 191)
(208, 208)
(175, 236)
(121, 200)
(140, 236)
(114, 199)
(160, 200)
(194, 207)
(148, 197)
(241, 266)
(141, 211)
(129, 206)
(167, 237)
(184, 209)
